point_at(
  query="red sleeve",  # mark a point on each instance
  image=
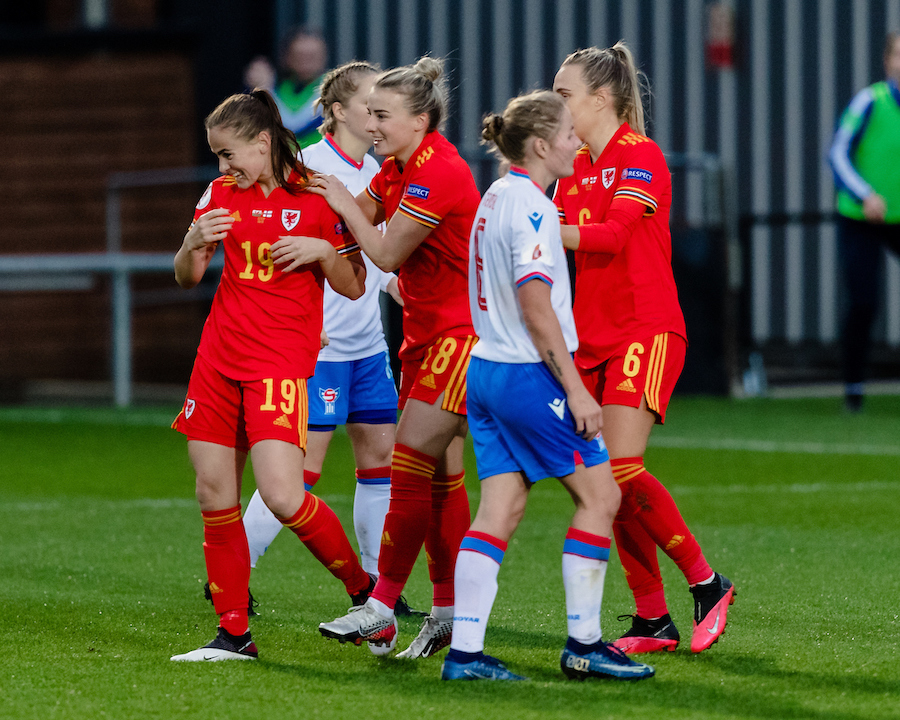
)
(431, 194)
(375, 188)
(557, 200)
(335, 231)
(611, 235)
(211, 198)
(644, 177)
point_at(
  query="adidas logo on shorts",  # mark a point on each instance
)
(626, 386)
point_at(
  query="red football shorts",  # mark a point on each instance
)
(443, 371)
(239, 414)
(649, 369)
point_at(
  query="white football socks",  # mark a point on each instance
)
(475, 588)
(370, 505)
(261, 527)
(583, 579)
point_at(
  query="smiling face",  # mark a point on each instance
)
(560, 160)
(248, 161)
(394, 130)
(582, 104)
(356, 110)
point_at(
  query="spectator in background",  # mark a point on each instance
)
(295, 85)
(864, 157)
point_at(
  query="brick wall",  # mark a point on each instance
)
(66, 123)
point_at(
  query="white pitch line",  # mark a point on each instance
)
(101, 505)
(773, 446)
(796, 488)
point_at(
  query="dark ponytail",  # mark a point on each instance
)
(249, 114)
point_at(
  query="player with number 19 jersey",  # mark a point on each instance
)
(629, 295)
(437, 190)
(265, 322)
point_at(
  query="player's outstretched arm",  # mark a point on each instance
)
(609, 236)
(361, 215)
(546, 334)
(199, 245)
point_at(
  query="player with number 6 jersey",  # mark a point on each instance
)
(615, 215)
(247, 392)
(531, 416)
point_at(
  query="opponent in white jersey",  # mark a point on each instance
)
(530, 415)
(353, 384)
(354, 328)
(515, 239)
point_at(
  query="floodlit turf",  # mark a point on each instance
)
(102, 570)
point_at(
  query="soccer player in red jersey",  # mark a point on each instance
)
(426, 194)
(631, 331)
(247, 392)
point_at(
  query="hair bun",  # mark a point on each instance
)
(492, 127)
(429, 67)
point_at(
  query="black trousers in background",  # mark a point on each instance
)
(861, 248)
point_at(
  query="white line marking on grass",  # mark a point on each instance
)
(773, 446)
(798, 488)
(90, 416)
(99, 504)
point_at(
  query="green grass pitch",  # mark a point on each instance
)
(101, 578)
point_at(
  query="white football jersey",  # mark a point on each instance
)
(515, 239)
(353, 327)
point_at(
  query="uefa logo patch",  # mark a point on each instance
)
(206, 197)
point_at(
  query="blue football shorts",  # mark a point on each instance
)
(520, 422)
(353, 391)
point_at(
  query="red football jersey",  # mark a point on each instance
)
(630, 295)
(437, 190)
(265, 322)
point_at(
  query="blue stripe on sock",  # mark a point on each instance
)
(482, 546)
(374, 481)
(576, 547)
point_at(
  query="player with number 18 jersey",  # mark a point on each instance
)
(435, 189)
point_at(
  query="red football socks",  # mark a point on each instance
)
(406, 523)
(450, 519)
(227, 566)
(320, 530)
(646, 501)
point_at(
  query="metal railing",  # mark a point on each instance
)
(120, 266)
(719, 211)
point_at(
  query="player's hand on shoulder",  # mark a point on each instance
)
(333, 190)
(294, 251)
(209, 229)
(587, 413)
